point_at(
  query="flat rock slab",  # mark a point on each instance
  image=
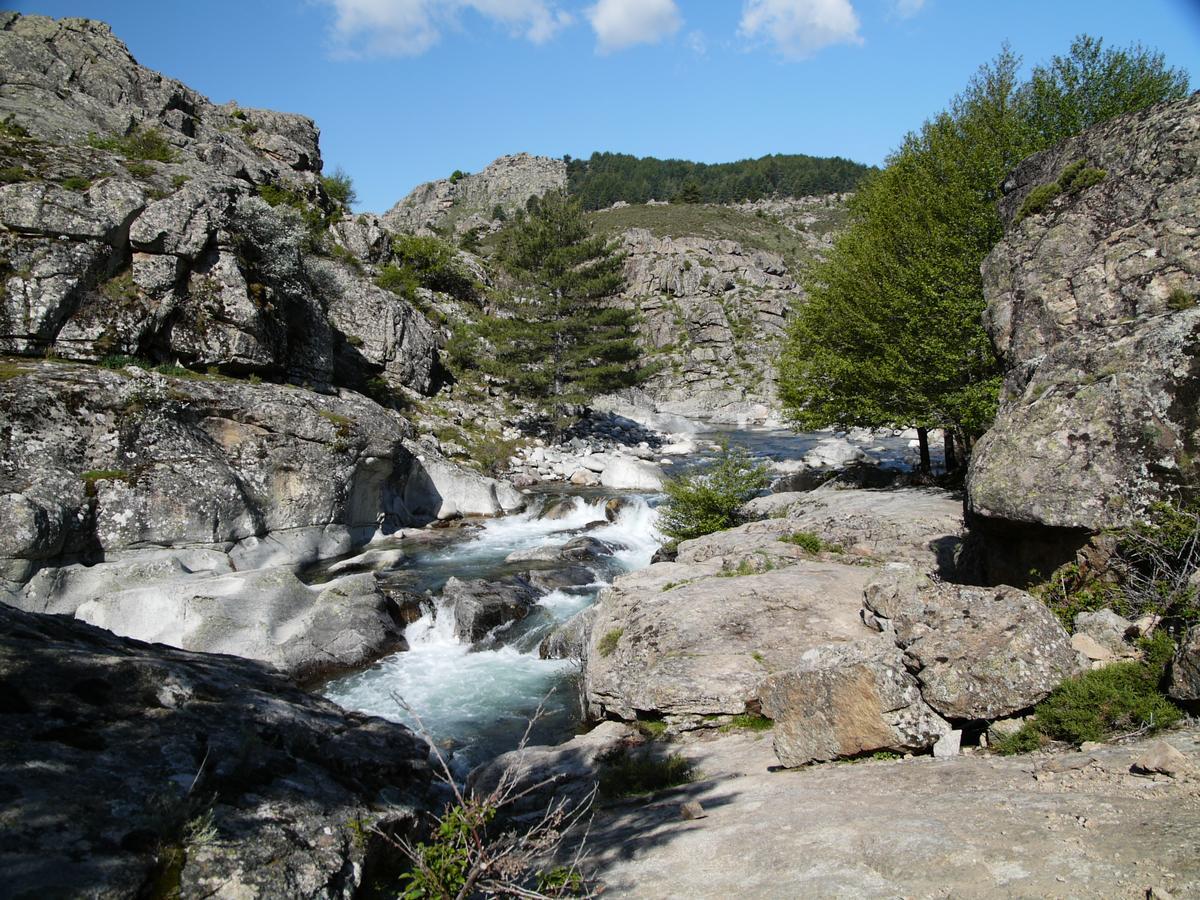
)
(972, 826)
(664, 643)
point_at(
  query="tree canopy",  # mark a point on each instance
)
(556, 336)
(891, 333)
(605, 178)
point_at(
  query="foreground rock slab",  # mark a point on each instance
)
(129, 769)
(971, 826)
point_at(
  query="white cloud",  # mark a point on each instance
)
(907, 8)
(799, 28)
(622, 23)
(697, 43)
(410, 27)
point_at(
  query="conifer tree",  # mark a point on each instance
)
(558, 337)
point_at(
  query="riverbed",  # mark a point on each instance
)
(477, 703)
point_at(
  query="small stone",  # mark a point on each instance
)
(1161, 758)
(692, 810)
(1157, 893)
(1090, 746)
(948, 745)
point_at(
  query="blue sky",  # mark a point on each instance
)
(409, 90)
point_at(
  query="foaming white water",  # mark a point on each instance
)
(482, 700)
(636, 528)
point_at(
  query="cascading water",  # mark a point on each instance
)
(480, 702)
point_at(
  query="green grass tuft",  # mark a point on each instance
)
(608, 643)
(748, 722)
(622, 775)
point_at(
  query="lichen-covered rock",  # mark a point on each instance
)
(847, 699)
(131, 769)
(916, 524)
(468, 201)
(978, 653)
(682, 641)
(1185, 669)
(134, 226)
(1092, 304)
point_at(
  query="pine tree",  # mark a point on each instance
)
(558, 337)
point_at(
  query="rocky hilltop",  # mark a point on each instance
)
(226, 439)
(468, 201)
(1092, 303)
(714, 287)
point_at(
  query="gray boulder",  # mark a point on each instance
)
(844, 700)
(570, 639)
(1092, 304)
(1185, 670)
(680, 641)
(480, 606)
(978, 653)
(123, 760)
(268, 615)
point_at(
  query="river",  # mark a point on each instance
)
(476, 704)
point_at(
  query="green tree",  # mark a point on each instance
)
(892, 332)
(708, 501)
(340, 188)
(558, 337)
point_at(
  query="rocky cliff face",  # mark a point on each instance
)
(468, 201)
(133, 221)
(132, 770)
(714, 300)
(145, 228)
(1092, 303)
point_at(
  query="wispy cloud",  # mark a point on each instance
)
(622, 23)
(799, 28)
(410, 27)
(906, 9)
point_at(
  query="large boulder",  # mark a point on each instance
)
(624, 473)
(1092, 305)
(847, 699)
(920, 525)
(268, 615)
(439, 489)
(481, 606)
(978, 653)
(129, 769)
(680, 640)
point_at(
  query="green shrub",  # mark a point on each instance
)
(1076, 177)
(708, 501)
(623, 775)
(90, 478)
(1026, 739)
(1152, 572)
(428, 262)
(805, 540)
(339, 188)
(76, 183)
(608, 643)
(178, 181)
(1179, 299)
(442, 866)
(342, 425)
(120, 362)
(1118, 699)
(314, 219)
(143, 143)
(14, 175)
(457, 175)
(138, 169)
(12, 130)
